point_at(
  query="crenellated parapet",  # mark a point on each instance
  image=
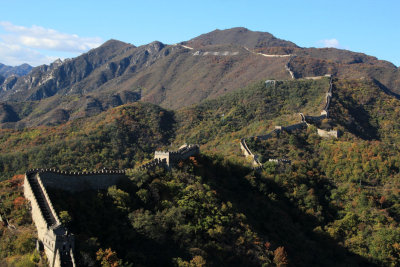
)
(173, 157)
(186, 151)
(151, 165)
(75, 173)
(286, 161)
(53, 236)
(296, 126)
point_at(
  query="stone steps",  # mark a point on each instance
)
(43, 205)
(66, 260)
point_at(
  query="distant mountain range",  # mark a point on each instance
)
(21, 70)
(13, 72)
(172, 76)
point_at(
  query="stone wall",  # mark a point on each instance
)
(297, 126)
(78, 182)
(286, 161)
(246, 151)
(277, 130)
(51, 233)
(305, 120)
(57, 242)
(187, 151)
(287, 67)
(153, 164)
(215, 53)
(37, 214)
(47, 199)
(328, 134)
(172, 157)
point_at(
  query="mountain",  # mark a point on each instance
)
(20, 70)
(346, 65)
(175, 76)
(238, 36)
(312, 200)
(46, 80)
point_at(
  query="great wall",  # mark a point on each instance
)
(304, 123)
(235, 53)
(53, 237)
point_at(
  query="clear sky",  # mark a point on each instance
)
(38, 32)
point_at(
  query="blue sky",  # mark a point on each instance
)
(38, 32)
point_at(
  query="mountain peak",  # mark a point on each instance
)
(20, 70)
(235, 29)
(156, 45)
(239, 36)
(114, 42)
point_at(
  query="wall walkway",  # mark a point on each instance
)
(304, 123)
(57, 242)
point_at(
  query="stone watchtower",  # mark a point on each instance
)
(163, 155)
(172, 157)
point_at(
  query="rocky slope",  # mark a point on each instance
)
(21, 70)
(173, 76)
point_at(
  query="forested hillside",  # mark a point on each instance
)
(119, 138)
(336, 204)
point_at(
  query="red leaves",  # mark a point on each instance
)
(17, 180)
(280, 256)
(18, 202)
(107, 257)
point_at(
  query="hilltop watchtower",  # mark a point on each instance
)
(172, 157)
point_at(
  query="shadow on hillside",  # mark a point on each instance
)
(168, 125)
(98, 223)
(276, 221)
(357, 120)
(386, 90)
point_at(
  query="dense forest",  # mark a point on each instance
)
(336, 204)
(116, 139)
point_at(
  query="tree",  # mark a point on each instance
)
(108, 258)
(65, 218)
(280, 257)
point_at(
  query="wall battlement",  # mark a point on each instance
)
(153, 164)
(53, 236)
(170, 158)
(57, 242)
(287, 161)
(83, 173)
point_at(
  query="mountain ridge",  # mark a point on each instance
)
(21, 70)
(175, 76)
